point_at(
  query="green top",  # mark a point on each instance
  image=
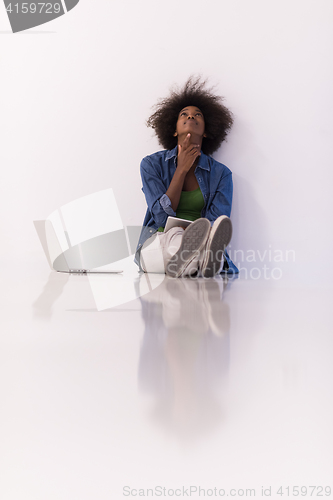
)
(190, 205)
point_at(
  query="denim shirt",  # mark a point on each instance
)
(215, 182)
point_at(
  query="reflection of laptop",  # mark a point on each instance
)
(175, 221)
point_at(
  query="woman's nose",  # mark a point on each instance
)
(190, 116)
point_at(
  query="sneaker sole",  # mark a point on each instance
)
(216, 245)
(194, 239)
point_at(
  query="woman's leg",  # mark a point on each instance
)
(161, 249)
(212, 258)
(185, 261)
(158, 250)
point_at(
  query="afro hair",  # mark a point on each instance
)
(218, 119)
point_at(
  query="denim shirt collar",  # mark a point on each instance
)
(203, 159)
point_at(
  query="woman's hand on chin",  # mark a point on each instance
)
(187, 154)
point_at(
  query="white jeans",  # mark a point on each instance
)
(159, 248)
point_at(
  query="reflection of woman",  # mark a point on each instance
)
(184, 182)
(184, 356)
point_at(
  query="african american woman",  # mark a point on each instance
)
(185, 182)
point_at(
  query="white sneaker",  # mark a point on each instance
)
(219, 238)
(193, 241)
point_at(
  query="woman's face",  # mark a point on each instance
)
(190, 120)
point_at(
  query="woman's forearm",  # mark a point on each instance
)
(175, 189)
(188, 154)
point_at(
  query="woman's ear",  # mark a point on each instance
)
(175, 134)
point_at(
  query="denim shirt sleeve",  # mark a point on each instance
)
(154, 189)
(166, 205)
(220, 201)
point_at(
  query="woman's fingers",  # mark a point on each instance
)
(193, 148)
(187, 153)
(187, 144)
(186, 141)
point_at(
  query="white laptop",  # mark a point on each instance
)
(73, 259)
(176, 222)
(85, 236)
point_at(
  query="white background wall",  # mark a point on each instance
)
(75, 94)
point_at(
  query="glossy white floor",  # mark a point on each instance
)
(195, 383)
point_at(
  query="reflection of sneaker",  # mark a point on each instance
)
(218, 312)
(193, 241)
(219, 238)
